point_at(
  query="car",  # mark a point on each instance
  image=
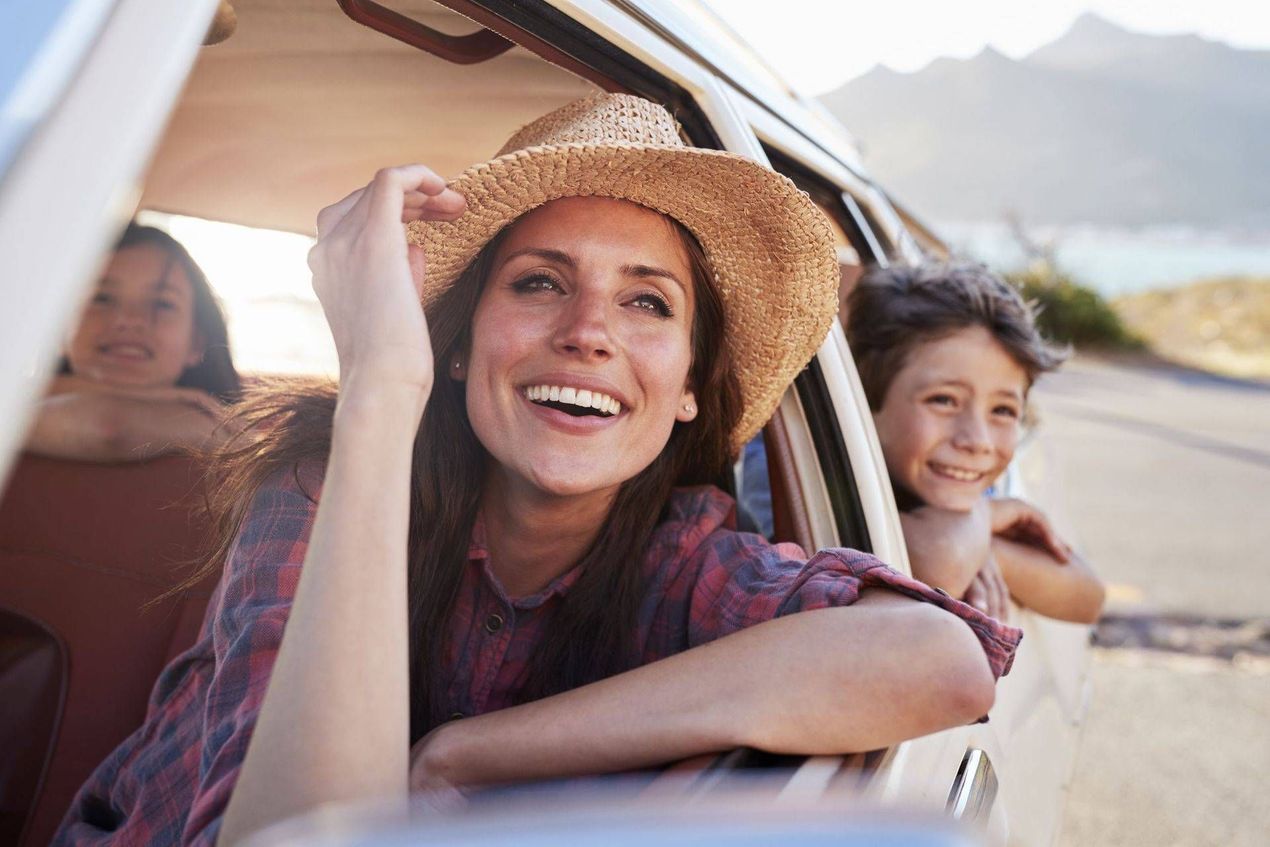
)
(110, 106)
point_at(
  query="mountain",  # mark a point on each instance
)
(1102, 125)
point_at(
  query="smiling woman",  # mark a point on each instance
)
(459, 530)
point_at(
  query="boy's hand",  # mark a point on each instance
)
(988, 592)
(1015, 520)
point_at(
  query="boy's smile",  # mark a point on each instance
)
(949, 422)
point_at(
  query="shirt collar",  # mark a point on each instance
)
(478, 555)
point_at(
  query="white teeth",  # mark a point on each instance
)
(957, 473)
(575, 396)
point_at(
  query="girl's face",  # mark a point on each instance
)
(138, 329)
(581, 346)
(949, 422)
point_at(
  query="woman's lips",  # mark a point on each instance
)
(565, 422)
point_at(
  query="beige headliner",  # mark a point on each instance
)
(302, 105)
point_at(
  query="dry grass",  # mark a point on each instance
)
(1220, 325)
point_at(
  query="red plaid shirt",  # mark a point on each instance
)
(170, 781)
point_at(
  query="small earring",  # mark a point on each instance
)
(689, 408)
(457, 364)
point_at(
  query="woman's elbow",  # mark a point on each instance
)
(960, 674)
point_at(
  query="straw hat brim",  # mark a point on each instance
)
(770, 247)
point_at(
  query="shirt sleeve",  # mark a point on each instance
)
(740, 579)
(258, 587)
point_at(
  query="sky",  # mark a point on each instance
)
(817, 45)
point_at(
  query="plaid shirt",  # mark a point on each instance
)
(170, 781)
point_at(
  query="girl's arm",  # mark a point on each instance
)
(334, 724)
(823, 681)
(1068, 591)
(105, 426)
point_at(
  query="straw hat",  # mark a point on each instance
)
(770, 248)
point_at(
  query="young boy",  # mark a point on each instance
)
(947, 354)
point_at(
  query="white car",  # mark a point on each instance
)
(110, 106)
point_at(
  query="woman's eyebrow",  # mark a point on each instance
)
(559, 257)
(642, 271)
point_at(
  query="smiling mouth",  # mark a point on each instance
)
(958, 474)
(578, 402)
(126, 351)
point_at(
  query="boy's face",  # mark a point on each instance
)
(949, 422)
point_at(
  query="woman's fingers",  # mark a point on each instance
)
(330, 217)
(388, 192)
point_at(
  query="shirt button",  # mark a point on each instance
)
(493, 624)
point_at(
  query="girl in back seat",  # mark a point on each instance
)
(148, 370)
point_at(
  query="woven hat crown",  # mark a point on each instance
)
(611, 119)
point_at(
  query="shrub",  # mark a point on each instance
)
(1068, 312)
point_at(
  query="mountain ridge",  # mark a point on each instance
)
(1101, 125)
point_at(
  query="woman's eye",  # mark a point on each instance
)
(101, 298)
(1006, 411)
(164, 305)
(942, 400)
(654, 304)
(535, 282)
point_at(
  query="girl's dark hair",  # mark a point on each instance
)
(215, 374)
(893, 310)
(590, 634)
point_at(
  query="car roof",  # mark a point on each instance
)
(302, 104)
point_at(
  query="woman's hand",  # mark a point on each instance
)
(431, 768)
(1023, 523)
(368, 279)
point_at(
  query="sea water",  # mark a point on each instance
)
(1117, 261)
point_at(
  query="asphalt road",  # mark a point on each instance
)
(1165, 475)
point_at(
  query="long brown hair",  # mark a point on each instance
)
(590, 634)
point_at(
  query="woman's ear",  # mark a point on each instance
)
(687, 406)
(458, 371)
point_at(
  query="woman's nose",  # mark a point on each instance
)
(584, 328)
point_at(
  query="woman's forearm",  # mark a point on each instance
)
(825, 681)
(334, 725)
(1069, 591)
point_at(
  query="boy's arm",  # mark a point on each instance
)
(946, 549)
(1068, 591)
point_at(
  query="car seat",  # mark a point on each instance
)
(85, 549)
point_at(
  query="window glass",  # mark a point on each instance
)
(43, 44)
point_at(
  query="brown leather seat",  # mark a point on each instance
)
(83, 549)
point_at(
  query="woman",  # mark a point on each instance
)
(148, 369)
(498, 535)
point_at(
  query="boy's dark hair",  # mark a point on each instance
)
(893, 310)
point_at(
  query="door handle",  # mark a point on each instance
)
(974, 789)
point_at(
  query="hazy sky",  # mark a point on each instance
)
(819, 44)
